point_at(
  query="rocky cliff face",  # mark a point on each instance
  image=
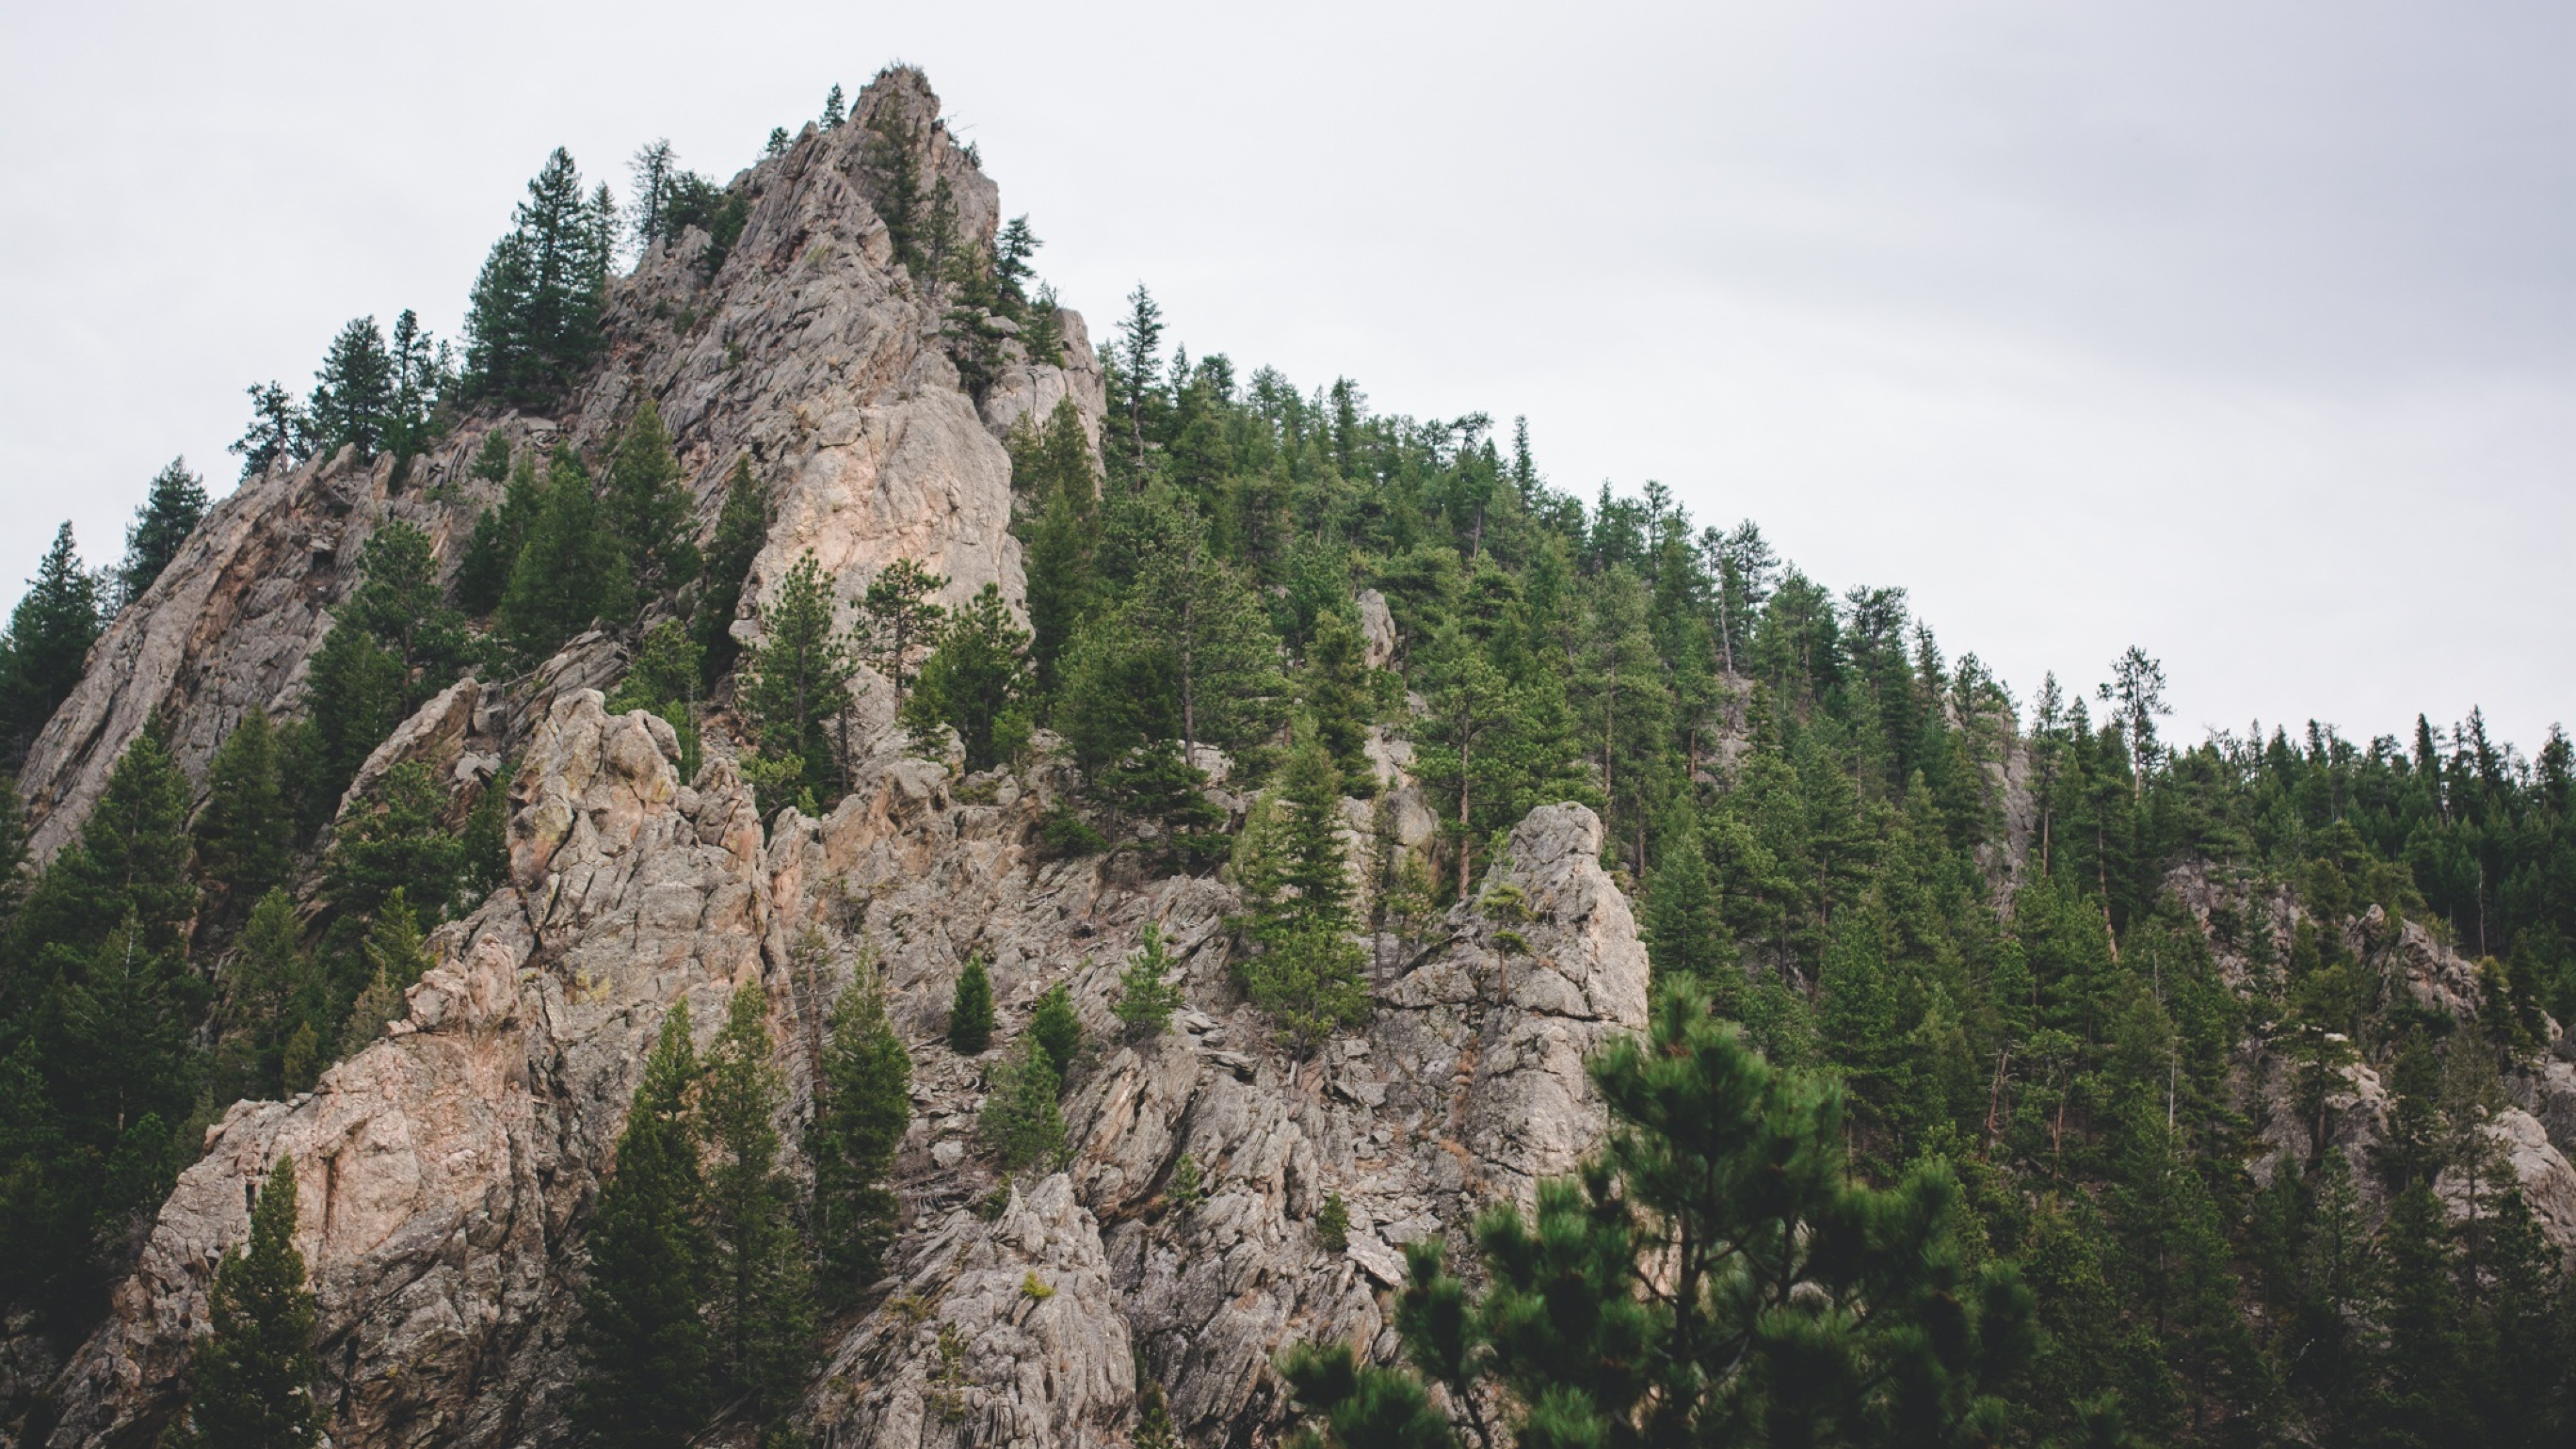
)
(2532, 1131)
(809, 351)
(445, 1171)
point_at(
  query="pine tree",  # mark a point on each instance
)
(47, 647)
(760, 1306)
(244, 831)
(663, 680)
(2417, 1399)
(395, 958)
(647, 507)
(268, 984)
(13, 854)
(399, 603)
(892, 161)
(1153, 1417)
(393, 644)
(1057, 1028)
(1221, 652)
(250, 1382)
(896, 620)
(355, 689)
(1308, 983)
(1146, 995)
(1335, 687)
(1786, 1303)
(534, 318)
(120, 1067)
(483, 575)
(423, 378)
(484, 844)
(655, 168)
(832, 114)
(742, 528)
(1685, 936)
(1333, 1224)
(278, 430)
(1054, 464)
(974, 680)
(353, 395)
(1296, 877)
(794, 684)
(170, 512)
(664, 671)
(570, 572)
(1473, 709)
(397, 839)
(643, 1344)
(2136, 692)
(858, 1127)
(1291, 867)
(1020, 1123)
(1139, 364)
(130, 863)
(970, 1010)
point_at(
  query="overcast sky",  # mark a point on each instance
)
(2243, 332)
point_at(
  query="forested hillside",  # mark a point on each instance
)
(2031, 936)
(2238, 1056)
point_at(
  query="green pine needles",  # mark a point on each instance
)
(760, 1301)
(970, 1010)
(859, 1123)
(700, 1296)
(973, 682)
(1147, 996)
(1020, 1123)
(250, 1381)
(643, 1337)
(1307, 976)
(1715, 1275)
(1057, 1028)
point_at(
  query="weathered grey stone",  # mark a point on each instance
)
(434, 736)
(1004, 1334)
(1377, 629)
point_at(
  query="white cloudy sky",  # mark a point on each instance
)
(2245, 332)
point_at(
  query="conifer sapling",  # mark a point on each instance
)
(970, 1010)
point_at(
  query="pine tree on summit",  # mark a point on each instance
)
(171, 511)
(534, 319)
(354, 393)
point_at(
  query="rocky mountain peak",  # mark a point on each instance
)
(811, 350)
